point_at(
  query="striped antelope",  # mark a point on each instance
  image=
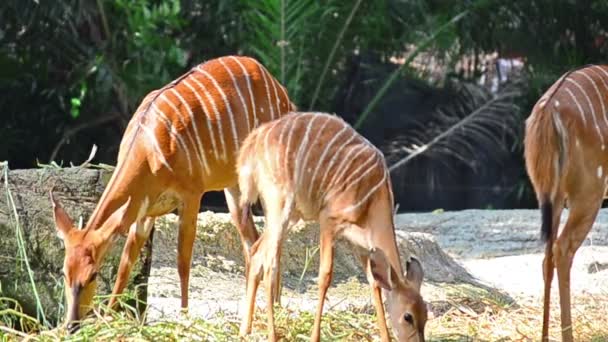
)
(181, 142)
(567, 159)
(316, 167)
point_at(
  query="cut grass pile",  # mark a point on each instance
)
(463, 316)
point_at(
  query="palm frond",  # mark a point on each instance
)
(474, 126)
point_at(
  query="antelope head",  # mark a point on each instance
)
(84, 252)
(405, 306)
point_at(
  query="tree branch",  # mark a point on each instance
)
(67, 134)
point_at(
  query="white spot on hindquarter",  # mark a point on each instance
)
(600, 171)
(556, 103)
(578, 143)
(262, 109)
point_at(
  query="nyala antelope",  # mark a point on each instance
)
(314, 166)
(567, 159)
(181, 142)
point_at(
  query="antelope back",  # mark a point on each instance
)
(319, 158)
(567, 132)
(193, 127)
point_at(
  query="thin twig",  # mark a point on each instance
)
(72, 131)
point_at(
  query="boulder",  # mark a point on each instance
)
(27, 232)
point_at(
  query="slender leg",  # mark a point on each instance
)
(272, 251)
(247, 232)
(185, 242)
(583, 211)
(251, 288)
(377, 297)
(138, 234)
(548, 266)
(326, 263)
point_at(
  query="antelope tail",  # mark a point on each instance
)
(545, 146)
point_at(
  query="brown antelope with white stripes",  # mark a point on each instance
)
(567, 159)
(314, 166)
(181, 142)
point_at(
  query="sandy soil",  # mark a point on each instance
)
(500, 248)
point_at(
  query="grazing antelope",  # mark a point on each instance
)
(567, 159)
(181, 142)
(316, 167)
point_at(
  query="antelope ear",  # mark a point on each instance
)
(114, 222)
(63, 222)
(414, 273)
(382, 271)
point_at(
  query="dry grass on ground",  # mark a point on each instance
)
(463, 316)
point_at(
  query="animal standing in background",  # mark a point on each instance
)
(567, 159)
(316, 167)
(181, 142)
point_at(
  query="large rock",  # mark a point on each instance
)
(78, 189)
(491, 233)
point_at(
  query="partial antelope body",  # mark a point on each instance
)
(567, 159)
(316, 167)
(181, 142)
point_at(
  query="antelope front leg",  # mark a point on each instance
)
(377, 297)
(326, 263)
(138, 234)
(185, 242)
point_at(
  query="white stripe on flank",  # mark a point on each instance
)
(274, 87)
(235, 134)
(193, 120)
(280, 142)
(216, 149)
(294, 126)
(340, 170)
(267, 159)
(599, 95)
(201, 159)
(325, 152)
(155, 145)
(349, 179)
(260, 67)
(171, 128)
(301, 150)
(601, 69)
(251, 97)
(307, 154)
(328, 146)
(238, 91)
(287, 101)
(367, 196)
(218, 118)
(597, 127)
(603, 82)
(578, 105)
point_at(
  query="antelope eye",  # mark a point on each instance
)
(408, 318)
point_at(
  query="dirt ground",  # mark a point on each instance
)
(499, 248)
